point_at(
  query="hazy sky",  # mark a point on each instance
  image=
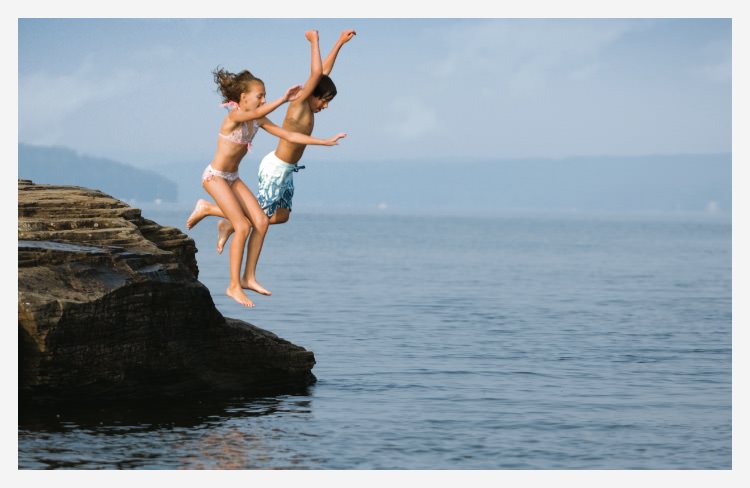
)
(141, 90)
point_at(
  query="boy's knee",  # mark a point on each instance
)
(281, 216)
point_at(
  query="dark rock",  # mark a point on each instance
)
(109, 307)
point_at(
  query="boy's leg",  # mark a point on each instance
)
(280, 216)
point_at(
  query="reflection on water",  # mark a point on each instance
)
(189, 434)
(189, 412)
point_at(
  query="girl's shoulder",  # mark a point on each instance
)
(230, 107)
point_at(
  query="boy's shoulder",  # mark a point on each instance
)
(299, 109)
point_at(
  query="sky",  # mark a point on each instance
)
(140, 90)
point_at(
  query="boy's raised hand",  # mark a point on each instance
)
(347, 36)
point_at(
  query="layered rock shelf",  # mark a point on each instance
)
(110, 308)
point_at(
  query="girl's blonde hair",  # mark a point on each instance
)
(232, 85)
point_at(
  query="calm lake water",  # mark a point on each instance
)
(504, 342)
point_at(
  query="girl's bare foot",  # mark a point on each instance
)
(198, 213)
(225, 229)
(240, 297)
(254, 286)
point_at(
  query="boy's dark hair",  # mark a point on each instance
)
(325, 89)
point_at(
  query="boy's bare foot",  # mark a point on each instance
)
(198, 213)
(254, 286)
(240, 297)
(225, 229)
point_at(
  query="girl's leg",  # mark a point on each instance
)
(203, 208)
(259, 221)
(224, 227)
(231, 207)
(224, 231)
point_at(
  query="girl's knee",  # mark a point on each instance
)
(242, 227)
(262, 225)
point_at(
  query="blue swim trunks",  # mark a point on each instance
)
(275, 184)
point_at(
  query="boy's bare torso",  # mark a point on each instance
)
(299, 118)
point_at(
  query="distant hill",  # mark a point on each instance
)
(59, 165)
(610, 184)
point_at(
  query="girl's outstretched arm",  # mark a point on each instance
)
(265, 109)
(345, 37)
(297, 137)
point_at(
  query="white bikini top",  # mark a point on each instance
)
(244, 133)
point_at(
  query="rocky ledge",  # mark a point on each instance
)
(110, 308)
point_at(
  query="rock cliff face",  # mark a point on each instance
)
(110, 308)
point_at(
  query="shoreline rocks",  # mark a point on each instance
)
(110, 308)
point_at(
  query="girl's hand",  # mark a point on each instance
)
(292, 93)
(334, 141)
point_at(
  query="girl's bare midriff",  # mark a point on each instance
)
(228, 156)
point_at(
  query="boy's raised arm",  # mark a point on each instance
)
(316, 68)
(345, 37)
